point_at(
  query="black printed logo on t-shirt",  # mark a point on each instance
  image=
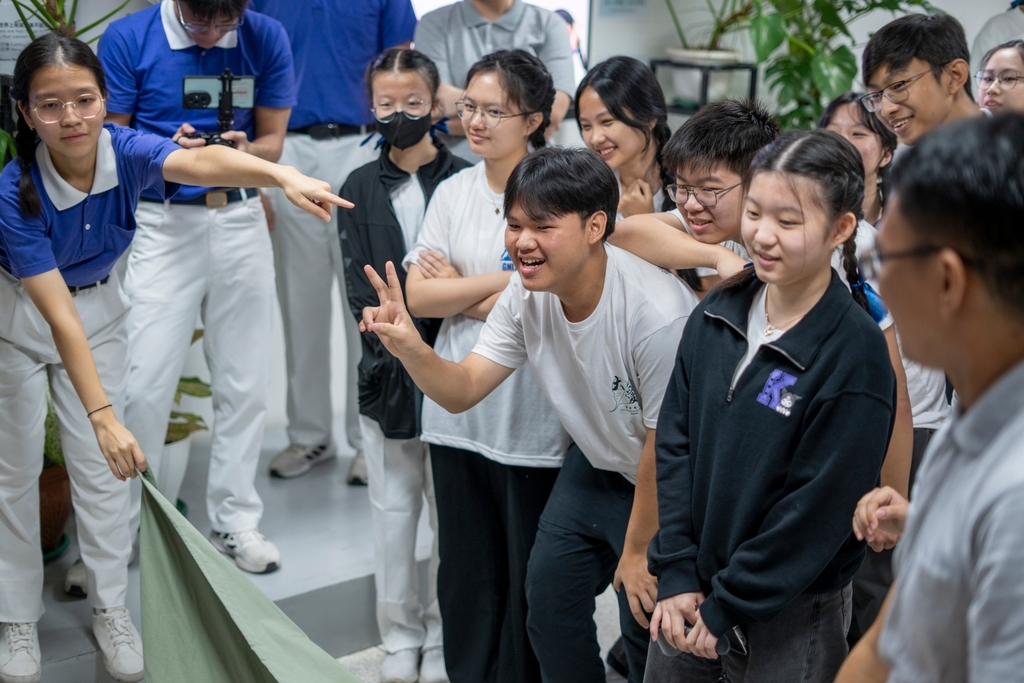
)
(624, 396)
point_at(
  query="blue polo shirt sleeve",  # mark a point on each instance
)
(141, 157)
(276, 85)
(117, 54)
(25, 248)
(397, 23)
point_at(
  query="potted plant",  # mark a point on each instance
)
(178, 442)
(815, 63)
(54, 491)
(703, 47)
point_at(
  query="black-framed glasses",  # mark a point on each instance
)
(197, 29)
(894, 92)
(871, 260)
(705, 196)
(1007, 78)
(52, 111)
(491, 117)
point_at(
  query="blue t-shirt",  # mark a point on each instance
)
(82, 234)
(144, 74)
(333, 42)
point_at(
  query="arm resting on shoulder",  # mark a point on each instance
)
(660, 238)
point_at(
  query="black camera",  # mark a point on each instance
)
(230, 92)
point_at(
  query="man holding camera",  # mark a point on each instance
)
(207, 251)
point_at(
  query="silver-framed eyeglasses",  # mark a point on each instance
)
(198, 29)
(52, 110)
(414, 109)
(705, 196)
(1007, 78)
(491, 117)
(894, 92)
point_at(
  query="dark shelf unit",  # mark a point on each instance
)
(705, 79)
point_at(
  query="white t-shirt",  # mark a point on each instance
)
(1003, 27)
(606, 375)
(409, 204)
(757, 323)
(514, 425)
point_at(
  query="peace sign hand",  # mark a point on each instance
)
(391, 321)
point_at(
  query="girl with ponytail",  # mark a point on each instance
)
(66, 215)
(494, 464)
(622, 116)
(760, 468)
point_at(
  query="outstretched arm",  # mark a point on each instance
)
(660, 239)
(222, 166)
(455, 386)
(51, 296)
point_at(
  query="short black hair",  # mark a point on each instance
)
(1015, 44)
(962, 186)
(937, 39)
(558, 181)
(208, 10)
(726, 133)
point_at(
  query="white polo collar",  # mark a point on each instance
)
(178, 38)
(61, 194)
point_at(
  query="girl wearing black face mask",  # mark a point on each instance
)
(391, 195)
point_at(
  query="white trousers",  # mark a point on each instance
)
(217, 263)
(28, 361)
(399, 478)
(307, 255)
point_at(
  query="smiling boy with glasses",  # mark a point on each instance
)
(917, 74)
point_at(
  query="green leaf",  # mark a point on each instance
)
(833, 73)
(193, 386)
(7, 147)
(103, 18)
(767, 31)
(830, 16)
(183, 424)
(196, 336)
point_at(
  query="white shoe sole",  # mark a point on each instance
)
(32, 678)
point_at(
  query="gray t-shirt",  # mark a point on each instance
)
(958, 611)
(456, 36)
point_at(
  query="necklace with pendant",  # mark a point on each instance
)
(770, 329)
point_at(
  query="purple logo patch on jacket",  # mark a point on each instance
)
(771, 395)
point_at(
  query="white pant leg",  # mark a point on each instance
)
(238, 318)
(166, 281)
(397, 472)
(101, 501)
(22, 413)
(307, 258)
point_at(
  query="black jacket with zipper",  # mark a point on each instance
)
(757, 483)
(370, 233)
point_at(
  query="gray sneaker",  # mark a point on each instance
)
(357, 471)
(296, 460)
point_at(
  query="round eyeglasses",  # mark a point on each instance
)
(1007, 79)
(491, 117)
(414, 109)
(52, 111)
(705, 196)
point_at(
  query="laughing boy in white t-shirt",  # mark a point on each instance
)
(599, 327)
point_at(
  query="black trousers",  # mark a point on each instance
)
(872, 581)
(574, 558)
(487, 516)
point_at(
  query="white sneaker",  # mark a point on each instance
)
(400, 667)
(357, 471)
(432, 666)
(296, 460)
(120, 643)
(75, 581)
(20, 661)
(251, 550)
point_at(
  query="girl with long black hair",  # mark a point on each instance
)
(66, 214)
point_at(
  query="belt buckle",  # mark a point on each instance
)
(323, 131)
(215, 200)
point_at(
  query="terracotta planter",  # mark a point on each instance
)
(54, 506)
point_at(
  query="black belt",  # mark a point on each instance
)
(212, 199)
(327, 131)
(81, 288)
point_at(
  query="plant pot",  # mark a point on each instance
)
(173, 463)
(54, 506)
(686, 83)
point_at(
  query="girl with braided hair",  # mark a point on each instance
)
(759, 467)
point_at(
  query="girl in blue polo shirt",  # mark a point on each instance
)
(775, 422)
(66, 215)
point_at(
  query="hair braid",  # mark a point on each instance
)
(25, 144)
